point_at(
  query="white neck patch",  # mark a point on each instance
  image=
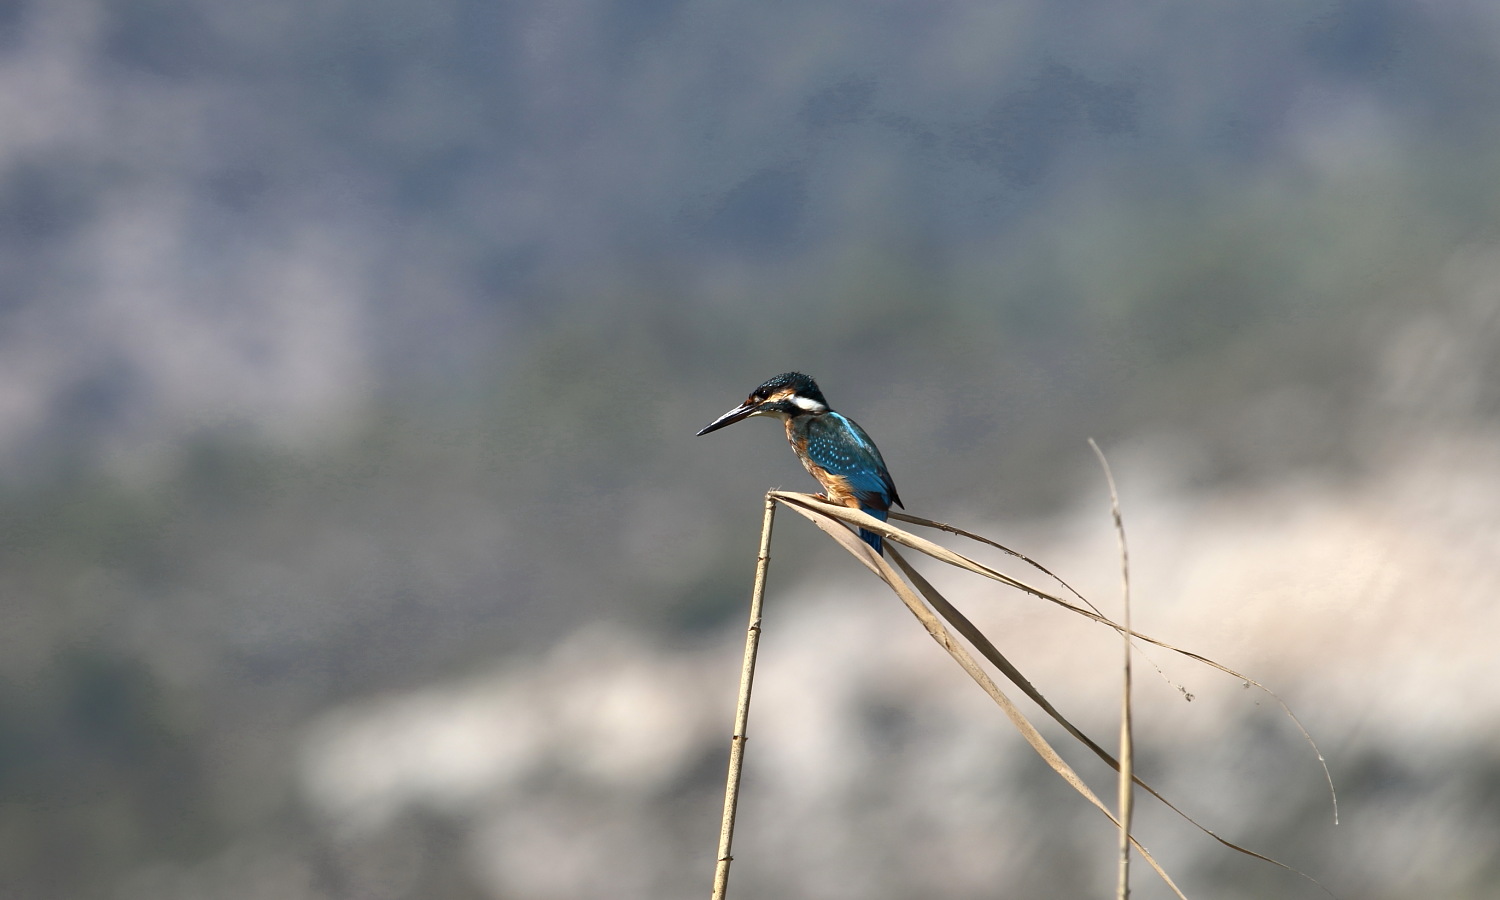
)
(807, 405)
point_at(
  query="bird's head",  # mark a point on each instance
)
(785, 396)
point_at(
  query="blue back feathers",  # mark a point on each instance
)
(836, 444)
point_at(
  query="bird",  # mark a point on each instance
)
(832, 448)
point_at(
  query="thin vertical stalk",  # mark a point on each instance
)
(742, 708)
(1127, 739)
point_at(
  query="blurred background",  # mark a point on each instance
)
(356, 543)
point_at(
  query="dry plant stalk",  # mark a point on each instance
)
(829, 517)
(742, 707)
(1126, 794)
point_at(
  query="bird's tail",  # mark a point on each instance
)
(870, 537)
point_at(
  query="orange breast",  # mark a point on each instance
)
(836, 486)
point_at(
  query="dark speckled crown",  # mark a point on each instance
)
(799, 384)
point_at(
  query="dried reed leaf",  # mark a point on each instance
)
(936, 551)
(865, 554)
(943, 554)
(824, 513)
(954, 529)
(974, 636)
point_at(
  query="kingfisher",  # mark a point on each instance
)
(832, 448)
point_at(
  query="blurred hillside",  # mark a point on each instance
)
(349, 349)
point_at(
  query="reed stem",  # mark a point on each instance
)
(742, 707)
(1126, 796)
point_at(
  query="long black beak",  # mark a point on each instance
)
(743, 411)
